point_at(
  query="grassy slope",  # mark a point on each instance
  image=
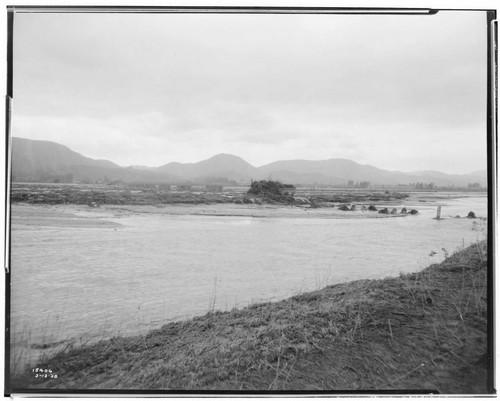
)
(425, 330)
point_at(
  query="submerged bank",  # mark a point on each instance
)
(421, 331)
(107, 215)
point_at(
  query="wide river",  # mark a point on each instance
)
(87, 274)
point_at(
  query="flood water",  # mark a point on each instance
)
(91, 282)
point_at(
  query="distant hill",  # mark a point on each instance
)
(221, 165)
(45, 161)
(50, 155)
(51, 162)
(339, 171)
(332, 171)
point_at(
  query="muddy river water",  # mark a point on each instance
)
(87, 274)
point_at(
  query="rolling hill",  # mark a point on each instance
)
(46, 161)
(221, 165)
(339, 171)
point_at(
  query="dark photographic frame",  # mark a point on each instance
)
(490, 135)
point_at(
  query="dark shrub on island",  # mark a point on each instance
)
(272, 190)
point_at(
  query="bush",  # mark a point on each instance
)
(271, 190)
(266, 187)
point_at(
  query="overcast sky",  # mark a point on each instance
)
(397, 92)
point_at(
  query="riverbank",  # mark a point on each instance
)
(343, 205)
(421, 331)
(129, 194)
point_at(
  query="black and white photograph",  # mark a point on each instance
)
(249, 200)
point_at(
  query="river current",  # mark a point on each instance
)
(144, 270)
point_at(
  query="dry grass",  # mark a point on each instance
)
(422, 331)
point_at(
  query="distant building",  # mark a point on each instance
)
(214, 188)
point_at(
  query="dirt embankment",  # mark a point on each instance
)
(420, 332)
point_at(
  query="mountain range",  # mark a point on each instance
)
(44, 161)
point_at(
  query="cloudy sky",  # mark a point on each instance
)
(397, 92)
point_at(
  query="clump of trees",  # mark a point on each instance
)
(272, 190)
